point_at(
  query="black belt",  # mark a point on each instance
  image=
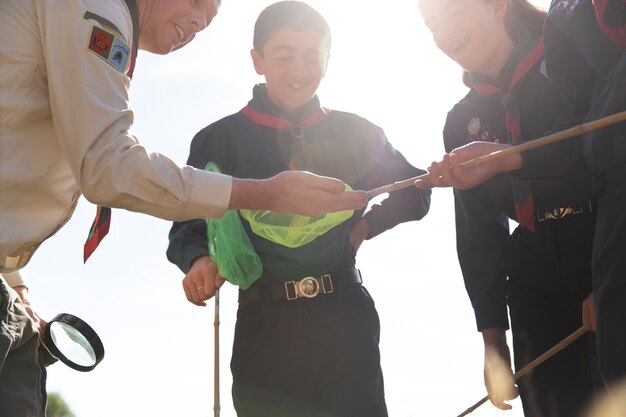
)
(307, 287)
(560, 212)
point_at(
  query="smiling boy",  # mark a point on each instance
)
(307, 332)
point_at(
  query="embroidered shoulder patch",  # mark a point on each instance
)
(473, 126)
(567, 6)
(109, 47)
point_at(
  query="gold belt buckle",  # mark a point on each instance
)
(308, 287)
(559, 213)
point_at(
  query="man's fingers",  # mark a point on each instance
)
(352, 200)
(331, 185)
(330, 203)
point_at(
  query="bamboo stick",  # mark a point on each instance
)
(555, 137)
(216, 364)
(532, 365)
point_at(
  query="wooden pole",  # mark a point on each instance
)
(538, 361)
(555, 137)
(216, 365)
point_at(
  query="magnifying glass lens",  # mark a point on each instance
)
(72, 344)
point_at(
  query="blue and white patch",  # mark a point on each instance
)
(120, 53)
(109, 47)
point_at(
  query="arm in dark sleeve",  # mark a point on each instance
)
(575, 55)
(557, 159)
(188, 239)
(400, 206)
(481, 234)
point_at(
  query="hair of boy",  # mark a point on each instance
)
(289, 14)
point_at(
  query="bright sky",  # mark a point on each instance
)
(159, 348)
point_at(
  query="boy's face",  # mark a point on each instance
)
(293, 64)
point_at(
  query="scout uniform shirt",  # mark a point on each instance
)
(64, 121)
(259, 142)
(587, 63)
(482, 212)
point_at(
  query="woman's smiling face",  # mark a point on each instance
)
(468, 31)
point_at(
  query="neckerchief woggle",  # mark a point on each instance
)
(102, 222)
(528, 53)
(295, 129)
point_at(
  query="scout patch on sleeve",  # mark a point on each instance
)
(109, 47)
(473, 126)
(567, 6)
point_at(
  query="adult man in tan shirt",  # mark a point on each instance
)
(65, 70)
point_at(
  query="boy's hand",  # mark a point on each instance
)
(359, 233)
(589, 313)
(498, 375)
(202, 280)
(296, 192)
(449, 173)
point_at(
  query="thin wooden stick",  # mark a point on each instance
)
(538, 361)
(216, 365)
(555, 137)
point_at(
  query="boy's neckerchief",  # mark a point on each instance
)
(527, 54)
(611, 17)
(295, 128)
(100, 226)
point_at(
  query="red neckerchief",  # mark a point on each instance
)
(100, 226)
(522, 190)
(611, 17)
(295, 129)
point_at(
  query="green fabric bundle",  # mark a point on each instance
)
(230, 247)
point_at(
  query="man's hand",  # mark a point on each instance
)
(589, 313)
(202, 280)
(22, 291)
(359, 233)
(296, 192)
(499, 379)
(449, 172)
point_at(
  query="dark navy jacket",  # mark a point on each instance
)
(586, 59)
(260, 142)
(482, 212)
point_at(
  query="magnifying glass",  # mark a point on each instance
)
(73, 342)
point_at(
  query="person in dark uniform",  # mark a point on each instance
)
(294, 355)
(541, 271)
(584, 43)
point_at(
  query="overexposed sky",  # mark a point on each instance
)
(159, 348)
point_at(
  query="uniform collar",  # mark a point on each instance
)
(262, 111)
(527, 53)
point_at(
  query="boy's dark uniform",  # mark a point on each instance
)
(585, 44)
(305, 357)
(548, 269)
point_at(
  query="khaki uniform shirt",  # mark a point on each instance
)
(64, 121)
